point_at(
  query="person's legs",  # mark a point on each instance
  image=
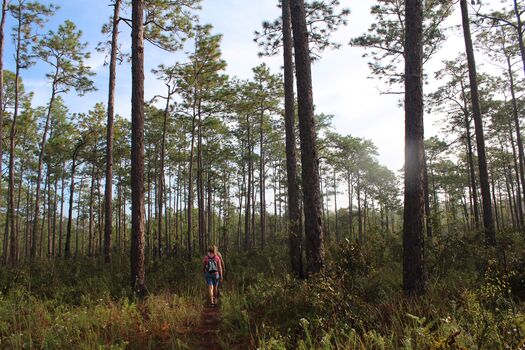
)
(211, 294)
(210, 283)
(215, 286)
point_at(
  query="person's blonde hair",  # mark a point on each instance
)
(212, 249)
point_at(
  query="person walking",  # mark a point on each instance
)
(212, 268)
(223, 266)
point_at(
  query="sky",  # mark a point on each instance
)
(341, 83)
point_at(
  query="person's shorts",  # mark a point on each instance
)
(212, 279)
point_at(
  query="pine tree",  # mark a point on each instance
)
(308, 135)
(413, 215)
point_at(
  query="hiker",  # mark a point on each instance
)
(212, 268)
(223, 267)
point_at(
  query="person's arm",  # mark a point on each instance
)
(221, 272)
(204, 265)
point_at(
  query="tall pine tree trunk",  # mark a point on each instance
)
(108, 191)
(67, 248)
(470, 157)
(519, 141)
(190, 186)
(160, 198)
(308, 135)
(137, 149)
(247, 244)
(2, 41)
(262, 185)
(200, 185)
(488, 221)
(40, 162)
(414, 201)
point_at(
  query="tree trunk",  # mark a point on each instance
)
(414, 197)
(148, 209)
(519, 141)
(519, 31)
(247, 244)
(359, 211)
(79, 215)
(488, 221)
(137, 149)
(161, 170)
(470, 159)
(2, 41)
(108, 191)
(428, 214)
(29, 199)
(46, 192)
(67, 249)
(262, 185)
(91, 238)
(200, 185)
(61, 209)
(515, 162)
(308, 136)
(337, 238)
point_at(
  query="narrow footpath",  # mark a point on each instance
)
(208, 329)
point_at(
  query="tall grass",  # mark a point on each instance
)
(85, 304)
(473, 301)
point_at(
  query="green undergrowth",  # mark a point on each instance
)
(85, 304)
(474, 299)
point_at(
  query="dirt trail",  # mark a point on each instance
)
(208, 329)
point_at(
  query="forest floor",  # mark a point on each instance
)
(475, 300)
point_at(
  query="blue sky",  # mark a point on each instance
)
(341, 84)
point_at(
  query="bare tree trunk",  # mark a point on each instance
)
(262, 184)
(359, 210)
(12, 133)
(470, 160)
(67, 249)
(29, 199)
(337, 238)
(2, 42)
(413, 237)
(247, 244)
(108, 191)
(519, 31)
(55, 212)
(100, 215)
(91, 239)
(46, 192)
(80, 213)
(308, 135)
(200, 185)
(61, 209)
(190, 175)
(488, 221)
(138, 281)
(519, 141)
(40, 162)
(515, 161)
(253, 196)
(428, 214)
(161, 171)
(148, 209)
